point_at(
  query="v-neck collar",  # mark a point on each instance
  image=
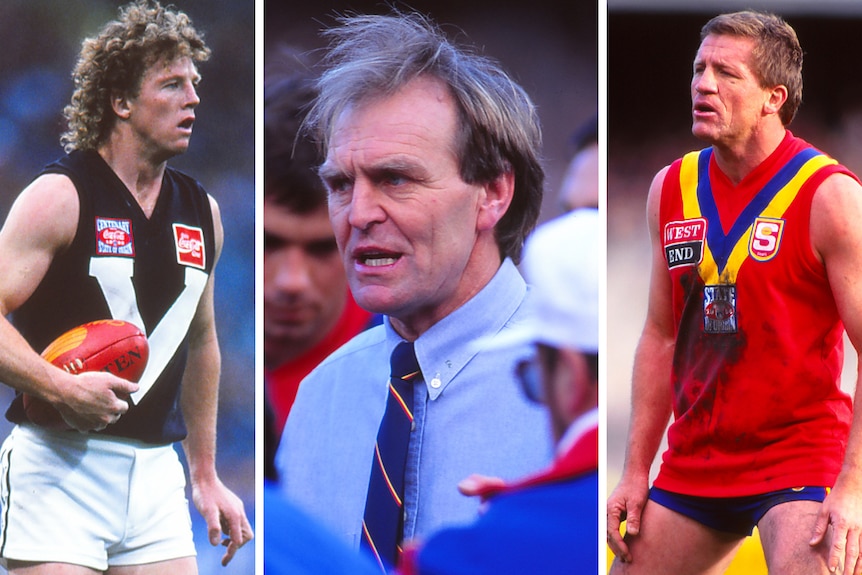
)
(128, 196)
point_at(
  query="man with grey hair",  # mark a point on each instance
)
(431, 165)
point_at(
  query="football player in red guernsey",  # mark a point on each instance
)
(756, 256)
(111, 232)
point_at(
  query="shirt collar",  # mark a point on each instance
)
(446, 347)
(579, 427)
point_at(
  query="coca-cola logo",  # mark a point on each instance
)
(114, 237)
(190, 246)
(719, 310)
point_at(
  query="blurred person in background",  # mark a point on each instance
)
(297, 544)
(580, 187)
(308, 309)
(434, 180)
(110, 231)
(756, 251)
(546, 523)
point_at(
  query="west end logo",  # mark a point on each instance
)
(765, 238)
(683, 242)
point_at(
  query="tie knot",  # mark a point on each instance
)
(403, 363)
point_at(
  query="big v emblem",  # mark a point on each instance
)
(115, 278)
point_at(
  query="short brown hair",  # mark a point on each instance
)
(777, 53)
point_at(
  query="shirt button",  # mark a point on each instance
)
(436, 383)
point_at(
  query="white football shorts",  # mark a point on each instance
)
(90, 500)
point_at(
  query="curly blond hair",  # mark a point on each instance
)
(114, 62)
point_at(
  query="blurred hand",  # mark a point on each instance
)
(480, 485)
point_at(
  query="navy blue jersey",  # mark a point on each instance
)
(123, 265)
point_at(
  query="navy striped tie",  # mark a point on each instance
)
(383, 525)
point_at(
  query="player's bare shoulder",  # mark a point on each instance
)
(654, 197)
(41, 224)
(836, 213)
(217, 224)
(46, 212)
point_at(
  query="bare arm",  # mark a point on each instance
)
(836, 237)
(222, 509)
(651, 394)
(40, 225)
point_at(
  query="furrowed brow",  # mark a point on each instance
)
(328, 172)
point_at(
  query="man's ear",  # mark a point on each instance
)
(581, 392)
(496, 199)
(121, 106)
(777, 98)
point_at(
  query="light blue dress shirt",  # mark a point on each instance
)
(470, 416)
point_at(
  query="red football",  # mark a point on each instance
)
(104, 345)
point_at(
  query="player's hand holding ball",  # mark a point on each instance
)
(93, 401)
(105, 359)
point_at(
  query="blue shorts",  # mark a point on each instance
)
(732, 514)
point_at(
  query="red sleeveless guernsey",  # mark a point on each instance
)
(759, 348)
